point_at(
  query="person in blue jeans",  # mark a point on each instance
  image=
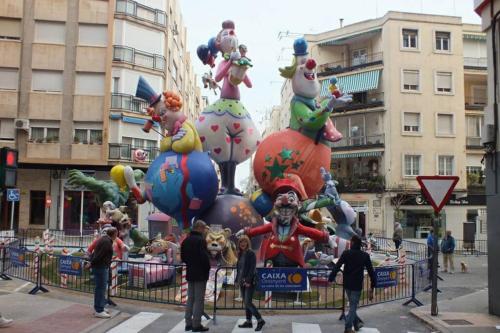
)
(99, 263)
(354, 261)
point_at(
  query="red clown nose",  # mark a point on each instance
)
(310, 64)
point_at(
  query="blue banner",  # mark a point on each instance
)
(281, 279)
(70, 265)
(17, 257)
(386, 277)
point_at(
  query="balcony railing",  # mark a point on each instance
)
(137, 10)
(128, 103)
(475, 183)
(364, 100)
(360, 142)
(343, 66)
(475, 102)
(140, 58)
(473, 142)
(361, 183)
(472, 63)
(125, 152)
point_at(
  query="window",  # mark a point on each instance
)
(444, 82)
(445, 165)
(412, 165)
(411, 80)
(89, 84)
(410, 38)
(50, 32)
(10, 29)
(37, 207)
(43, 80)
(411, 122)
(174, 71)
(7, 130)
(442, 41)
(88, 136)
(116, 82)
(479, 95)
(359, 57)
(474, 124)
(9, 78)
(445, 124)
(93, 34)
(44, 134)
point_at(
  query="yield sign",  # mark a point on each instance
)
(437, 189)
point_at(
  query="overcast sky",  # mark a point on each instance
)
(259, 23)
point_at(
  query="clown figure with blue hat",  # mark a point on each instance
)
(307, 115)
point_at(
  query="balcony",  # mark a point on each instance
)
(141, 12)
(140, 58)
(343, 66)
(125, 152)
(473, 142)
(475, 102)
(360, 142)
(363, 100)
(475, 63)
(361, 184)
(128, 103)
(475, 183)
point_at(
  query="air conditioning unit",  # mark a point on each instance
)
(23, 124)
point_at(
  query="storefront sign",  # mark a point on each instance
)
(70, 265)
(18, 257)
(282, 279)
(419, 200)
(386, 277)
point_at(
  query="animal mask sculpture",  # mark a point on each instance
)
(220, 247)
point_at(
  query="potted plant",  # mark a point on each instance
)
(76, 139)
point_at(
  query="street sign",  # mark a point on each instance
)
(437, 189)
(12, 194)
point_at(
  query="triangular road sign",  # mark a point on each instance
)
(437, 189)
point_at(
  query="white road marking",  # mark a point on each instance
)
(236, 329)
(369, 330)
(136, 323)
(179, 328)
(305, 328)
(21, 287)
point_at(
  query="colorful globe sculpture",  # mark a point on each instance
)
(182, 185)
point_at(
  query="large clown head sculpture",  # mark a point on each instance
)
(286, 207)
(226, 39)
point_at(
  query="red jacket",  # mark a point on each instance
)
(291, 246)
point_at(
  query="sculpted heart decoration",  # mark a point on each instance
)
(247, 151)
(202, 138)
(236, 125)
(228, 139)
(201, 119)
(217, 150)
(214, 128)
(237, 140)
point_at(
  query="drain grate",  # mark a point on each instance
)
(457, 322)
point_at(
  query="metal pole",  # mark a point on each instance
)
(12, 215)
(81, 214)
(434, 308)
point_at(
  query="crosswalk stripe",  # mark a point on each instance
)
(179, 328)
(369, 330)
(236, 329)
(136, 323)
(305, 328)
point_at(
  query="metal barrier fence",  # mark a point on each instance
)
(61, 238)
(414, 250)
(476, 247)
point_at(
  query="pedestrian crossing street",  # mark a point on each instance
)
(141, 320)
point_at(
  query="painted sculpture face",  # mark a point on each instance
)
(228, 40)
(286, 205)
(305, 82)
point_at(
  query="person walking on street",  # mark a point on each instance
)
(195, 255)
(99, 262)
(397, 236)
(448, 248)
(4, 322)
(245, 276)
(355, 261)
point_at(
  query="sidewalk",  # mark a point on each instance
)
(462, 314)
(47, 315)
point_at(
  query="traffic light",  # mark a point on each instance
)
(8, 167)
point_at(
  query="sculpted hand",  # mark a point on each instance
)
(240, 233)
(331, 241)
(76, 177)
(129, 177)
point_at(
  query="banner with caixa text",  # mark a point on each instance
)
(281, 279)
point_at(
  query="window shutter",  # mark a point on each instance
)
(10, 28)
(444, 80)
(445, 124)
(9, 78)
(412, 119)
(411, 78)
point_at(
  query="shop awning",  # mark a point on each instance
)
(353, 83)
(343, 39)
(357, 154)
(474, 36)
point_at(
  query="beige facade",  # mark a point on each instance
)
(418, 83)
(67, 100)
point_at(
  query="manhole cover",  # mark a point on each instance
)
(457, 322)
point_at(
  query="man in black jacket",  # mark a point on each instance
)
(195, 255)
(355, 261)
(100, 262)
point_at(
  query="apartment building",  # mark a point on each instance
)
(419, 88)
(68, 75)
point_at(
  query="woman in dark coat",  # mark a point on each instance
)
(246, 271)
